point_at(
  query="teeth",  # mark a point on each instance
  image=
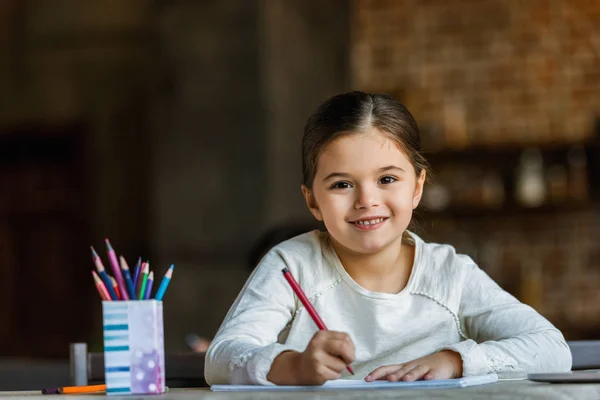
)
(370, 221)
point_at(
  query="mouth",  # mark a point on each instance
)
(369, 224)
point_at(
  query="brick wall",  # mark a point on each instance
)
(484, 72)
(507, 73)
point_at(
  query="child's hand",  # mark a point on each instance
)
(446, 364)
(325, 357)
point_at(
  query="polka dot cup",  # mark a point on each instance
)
(134, 357)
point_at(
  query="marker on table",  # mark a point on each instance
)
(309, 307)
(75, 389)
(103, 275)
(164, 283)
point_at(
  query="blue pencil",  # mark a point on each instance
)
(127, 276)
(164, 283)
(103, 275)
(136, 274)
(149, 285)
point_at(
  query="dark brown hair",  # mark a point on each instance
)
(354, 112)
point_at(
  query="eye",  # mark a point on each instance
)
(341, 185)
(386, 180)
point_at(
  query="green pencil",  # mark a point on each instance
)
(144, 281)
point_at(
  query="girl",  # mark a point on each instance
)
(398, 308)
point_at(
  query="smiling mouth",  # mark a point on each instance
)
(369, 222)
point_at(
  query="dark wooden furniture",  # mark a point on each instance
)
(45, 288)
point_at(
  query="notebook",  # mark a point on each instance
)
(356, 384)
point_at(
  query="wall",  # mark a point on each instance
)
(485, 80)
(193, 114)
(65, 63)
(245, 76)
(484, 72)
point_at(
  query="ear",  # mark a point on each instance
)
(419, 189)
(311, 203)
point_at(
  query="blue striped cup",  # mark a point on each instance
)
(134, 355)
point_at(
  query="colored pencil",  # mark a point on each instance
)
(115, 286)
(103, 275)
(144, 282)
(75, 389)
(309, 307)
(127, 276)
(136, 273)
(112, 256)
(149, 285)
(82, 389)
(100, 286)
(160, 293)
(138, 283)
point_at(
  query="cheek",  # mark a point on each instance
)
(406, 195)
(333, 206)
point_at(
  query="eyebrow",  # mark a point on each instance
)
(389, 167)
(345, 175)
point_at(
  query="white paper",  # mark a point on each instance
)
(358, 384)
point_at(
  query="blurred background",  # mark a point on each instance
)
(173, 128)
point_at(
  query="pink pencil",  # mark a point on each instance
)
(103, 275)
(100, 286)
(112, 256)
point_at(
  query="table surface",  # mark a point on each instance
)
(499, 390)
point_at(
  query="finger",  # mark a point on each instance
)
(382, 372)
(333, 362)
(417, 373)
(395, 376)
(335, 335)
(340, 348)
(324, 373)
(431, 375)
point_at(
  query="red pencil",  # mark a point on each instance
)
(116, 287)
(309, 307)
(100, 286)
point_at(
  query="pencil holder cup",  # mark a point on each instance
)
(134, 355)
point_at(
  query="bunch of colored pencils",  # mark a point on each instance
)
(123, 286)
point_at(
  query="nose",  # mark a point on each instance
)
(367, 196)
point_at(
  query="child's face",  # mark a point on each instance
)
(364, 177)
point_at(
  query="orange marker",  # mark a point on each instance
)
(75, 389)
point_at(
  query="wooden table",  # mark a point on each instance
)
(501, 390)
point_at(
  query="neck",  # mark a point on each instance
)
(386, 271)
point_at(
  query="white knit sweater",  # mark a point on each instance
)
(448, 303)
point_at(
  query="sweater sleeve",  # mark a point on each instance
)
(503, 333)
(246, 343)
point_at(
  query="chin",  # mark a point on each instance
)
(368, 252)
(368, 248)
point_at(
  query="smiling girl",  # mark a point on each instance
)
(398, 308)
